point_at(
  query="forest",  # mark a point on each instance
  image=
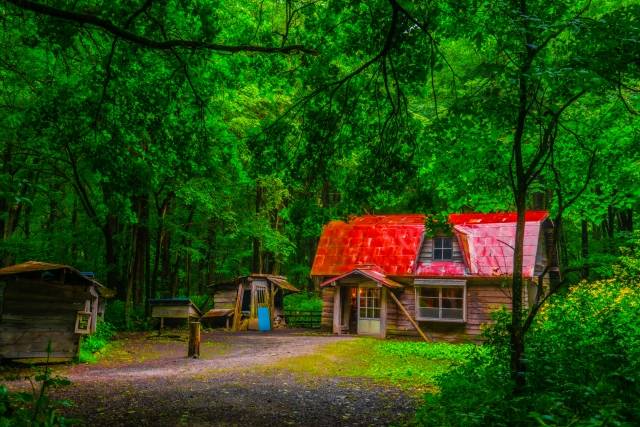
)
(168, 145)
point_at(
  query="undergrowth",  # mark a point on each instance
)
(35, 408)
(96, 342)
(302, 301)
(583, 364)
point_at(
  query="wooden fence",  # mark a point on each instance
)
(303, 319)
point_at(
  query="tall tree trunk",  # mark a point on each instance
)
(256, 263)
(584, 273)
(626, 220)
(111, 259)
(516, 332)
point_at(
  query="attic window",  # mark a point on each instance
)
(442, 248)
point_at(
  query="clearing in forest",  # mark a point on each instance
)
(280, 378)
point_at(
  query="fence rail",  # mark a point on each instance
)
(303, 319)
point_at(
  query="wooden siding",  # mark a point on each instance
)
(426, 252)
(225, 298)
(482, 299)
(34, 313)
(326, 322)
(541, 256)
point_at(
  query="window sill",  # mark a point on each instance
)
(426, 319)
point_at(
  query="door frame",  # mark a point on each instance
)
(338, 309)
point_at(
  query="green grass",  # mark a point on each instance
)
(407, 364)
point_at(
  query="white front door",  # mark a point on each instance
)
(369, 311)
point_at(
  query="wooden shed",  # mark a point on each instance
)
(174, 308)
(41, 303)
(238, 301)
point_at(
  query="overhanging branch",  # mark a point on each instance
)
(124, 34)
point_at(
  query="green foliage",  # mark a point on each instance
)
(203, 302)
(302, 301)
(583, 366)
(115, 316)
(96, 342)
(35, 409)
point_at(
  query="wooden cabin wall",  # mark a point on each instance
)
(225, 298)
(326, 321)
(36, 312)
(482, 299)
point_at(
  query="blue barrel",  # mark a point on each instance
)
(264, 321)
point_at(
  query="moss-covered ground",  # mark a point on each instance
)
(409, 364)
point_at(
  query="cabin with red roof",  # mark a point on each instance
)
(389, 274)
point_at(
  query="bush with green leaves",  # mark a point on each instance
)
(583, 366)
(302, 301)
(96, 341)
(114, 314)
(35, 408)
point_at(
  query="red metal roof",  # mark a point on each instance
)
(440, 269)
(371, 272)
(488, 247)
(495, 218)
(391, 242)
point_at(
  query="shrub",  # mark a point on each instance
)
(114, 314)
(583, 356)
(96, 342)
(35, 409)
(302, 301)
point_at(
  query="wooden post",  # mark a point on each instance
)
(383, 312)
(194, 340)
(337, 311)
(408, 316)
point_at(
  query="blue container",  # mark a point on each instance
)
(264, 321)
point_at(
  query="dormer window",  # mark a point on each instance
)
(442, 248)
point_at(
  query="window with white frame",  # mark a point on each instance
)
(445, 303)
(369, 303)
(442, 248)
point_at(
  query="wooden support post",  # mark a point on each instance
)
(408, 316)
(337, 311)
(383, 312)
(194, 340)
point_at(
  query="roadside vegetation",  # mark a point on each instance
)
(582, 358)
(96, 343)
(34, 407)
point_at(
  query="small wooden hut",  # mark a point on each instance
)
(238, 301)
(42, 303)
(174, 308)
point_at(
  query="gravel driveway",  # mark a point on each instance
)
(228, 386)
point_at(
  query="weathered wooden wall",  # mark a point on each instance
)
(225, 298)
(174, 311)
(35, 313)
(326, 322)
(482, 299)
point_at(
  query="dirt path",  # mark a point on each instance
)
(149, 382)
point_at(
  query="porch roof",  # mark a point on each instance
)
(371, 272)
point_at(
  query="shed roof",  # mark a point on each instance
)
(36, 266)
(279, 281)
(391, 242)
